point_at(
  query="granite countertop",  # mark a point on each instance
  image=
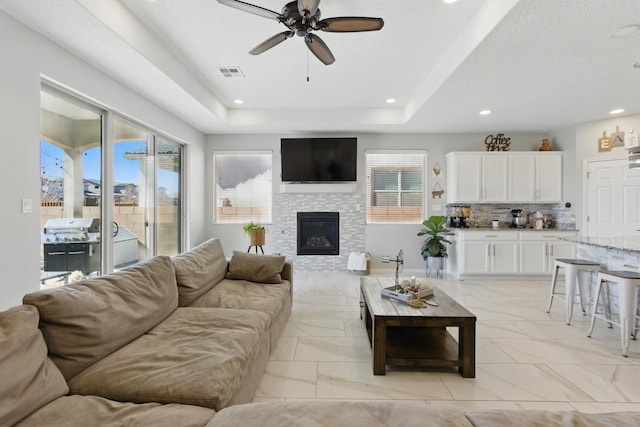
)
(609, 242)
(507, 228)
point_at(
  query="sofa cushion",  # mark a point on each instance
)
(199, 270)
(256, 268)
(97, 411)
(339, 414)
(28, 379)
(535, 418)
(243, 294)
(196, 356)
(85, 321)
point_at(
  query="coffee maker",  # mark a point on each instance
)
(519, 219)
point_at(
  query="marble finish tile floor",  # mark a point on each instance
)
(525, 358)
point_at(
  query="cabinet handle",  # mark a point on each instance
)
(489, 249)
(551, 247)
(490, 235)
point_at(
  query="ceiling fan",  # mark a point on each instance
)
(301, 17)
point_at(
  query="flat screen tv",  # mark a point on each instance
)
(318, 159)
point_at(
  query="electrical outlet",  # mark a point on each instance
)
(436, 208)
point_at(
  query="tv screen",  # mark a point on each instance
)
(318, 159)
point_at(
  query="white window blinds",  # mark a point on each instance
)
(242, 187)
(395, 187)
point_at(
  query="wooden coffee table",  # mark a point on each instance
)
(402, 335)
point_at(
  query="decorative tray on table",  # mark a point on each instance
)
(401, 293)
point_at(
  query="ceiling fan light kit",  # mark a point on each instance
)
(301, 17)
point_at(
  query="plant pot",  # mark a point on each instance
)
(257, 237)
(435, 264)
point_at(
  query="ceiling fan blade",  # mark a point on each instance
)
(319, 49)
(271, 42)
(251, 8)
(310, 6)
(348, 24)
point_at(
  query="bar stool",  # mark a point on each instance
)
(628, 283)
(573, 269)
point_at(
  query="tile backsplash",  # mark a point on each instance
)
(560, 217)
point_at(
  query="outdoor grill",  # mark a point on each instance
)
(72, 244)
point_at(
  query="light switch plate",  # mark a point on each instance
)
(27, 205)
(436, 208)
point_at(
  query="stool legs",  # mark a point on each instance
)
(627, 299)
(553, 286)
(570, 282)
(594, 308)
(627, 294)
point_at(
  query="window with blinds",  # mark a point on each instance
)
(242, 187)
(395, 187)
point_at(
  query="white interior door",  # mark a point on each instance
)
(613, 193)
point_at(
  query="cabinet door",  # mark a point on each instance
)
(534, 257)
(522, 183)
(494, 178)
(475, 257)
(549, 178)
(464, 175)
(505, 257)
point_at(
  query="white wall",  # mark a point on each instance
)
(26, 56)
(380, 239)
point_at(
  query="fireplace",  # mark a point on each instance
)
(318, 233)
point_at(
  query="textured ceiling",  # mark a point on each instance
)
(538, 65)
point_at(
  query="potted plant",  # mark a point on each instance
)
(433, 248)
(256, 232)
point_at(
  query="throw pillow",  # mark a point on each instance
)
(28, 378)
(256, 268)
(199, 270)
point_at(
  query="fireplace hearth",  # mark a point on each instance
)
(318, 233)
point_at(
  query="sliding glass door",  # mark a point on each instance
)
(145, 172)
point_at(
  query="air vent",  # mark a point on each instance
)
(231, 72)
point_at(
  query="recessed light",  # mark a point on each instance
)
(485, 112)
(238, 101)
(391, 101)
(617, 111)
(625, 31)
(450, 1)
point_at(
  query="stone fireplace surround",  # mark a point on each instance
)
(352, 226)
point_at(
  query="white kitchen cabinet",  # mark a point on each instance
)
(464, 178)
(539, 249)
(522, 181)
(501, 177)
(488, 252)
(507, 252)
(548, 178)
(494, 178)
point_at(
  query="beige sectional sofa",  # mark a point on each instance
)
(171, 338)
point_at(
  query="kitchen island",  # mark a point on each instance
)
(612, 252)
